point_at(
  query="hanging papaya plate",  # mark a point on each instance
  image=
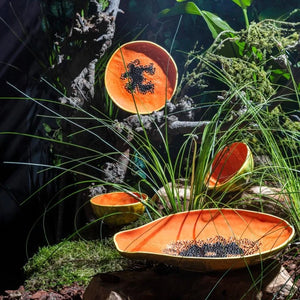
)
(140, 77)
(208, 239)
(231, 167)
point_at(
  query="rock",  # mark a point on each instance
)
(273, 200)
(181, 190)
(281, 286)
(115, 296)
(39, 295)
(172, 283)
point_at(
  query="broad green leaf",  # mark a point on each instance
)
(242, 3)
(214, 23)
(189, 8)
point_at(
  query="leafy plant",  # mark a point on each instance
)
(215, 24)
(243, 4)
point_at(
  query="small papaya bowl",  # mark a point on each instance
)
(140, 77)
(119, 208)
(231, 167)
(224, 239)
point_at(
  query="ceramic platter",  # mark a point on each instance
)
(151, 241)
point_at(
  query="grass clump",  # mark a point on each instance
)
(70, 262)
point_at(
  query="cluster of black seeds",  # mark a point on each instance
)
(136, 80)
(217, 246)
(213, 250)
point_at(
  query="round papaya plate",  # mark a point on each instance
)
(140, 77)
(208, 239)
(231, 167)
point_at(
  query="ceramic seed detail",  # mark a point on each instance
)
(213, 247)
(136, 79)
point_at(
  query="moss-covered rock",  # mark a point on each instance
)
(70, 262)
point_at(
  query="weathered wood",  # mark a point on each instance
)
(168, 283)
(95, 32)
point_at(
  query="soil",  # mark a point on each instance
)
(290, 259)
(71, 292)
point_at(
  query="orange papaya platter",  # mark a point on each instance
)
(207, 239)
(141, 77)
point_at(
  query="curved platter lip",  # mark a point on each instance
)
(150, 240)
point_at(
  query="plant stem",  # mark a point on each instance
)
(246, 17)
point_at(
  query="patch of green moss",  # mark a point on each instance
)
(71, 262)
(76, 261)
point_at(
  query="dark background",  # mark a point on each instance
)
(21, 41)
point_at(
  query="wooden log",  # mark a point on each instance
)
(168, 283)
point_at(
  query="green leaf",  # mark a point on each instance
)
(283, 73)
(47, 128)
(241, 46)
(257, 53)
(242, 3)
(215, 24)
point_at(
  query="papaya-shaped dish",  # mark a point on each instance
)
(141, 77)
(119, 208)
(208, 239)
(231, 167)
